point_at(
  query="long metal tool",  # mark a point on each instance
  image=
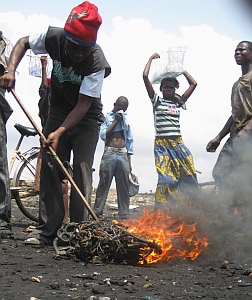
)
(64, 170)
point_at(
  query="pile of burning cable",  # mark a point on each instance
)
(108, 242)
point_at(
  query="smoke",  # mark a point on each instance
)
(223, 213)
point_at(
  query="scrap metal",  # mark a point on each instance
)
(107, 242)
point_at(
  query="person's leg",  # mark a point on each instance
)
(188, 183)
(84, 140)
(122, 184)
(106, 173)
(224, 165)
(225, 174)
(65, 199)
(168, 171)
(5, 199)
(240, 180)
(51, 199)
(36, 183)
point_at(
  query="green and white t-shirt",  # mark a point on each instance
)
(166, 116)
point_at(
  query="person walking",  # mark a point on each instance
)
(232, 171)
(173, 160)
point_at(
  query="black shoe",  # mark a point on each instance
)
(5, 233)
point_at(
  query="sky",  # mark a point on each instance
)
(130, 33)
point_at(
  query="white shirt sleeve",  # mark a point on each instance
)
(92, 84)
(37, 43)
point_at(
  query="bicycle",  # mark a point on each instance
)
(22, 183)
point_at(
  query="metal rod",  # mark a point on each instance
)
(73, 184)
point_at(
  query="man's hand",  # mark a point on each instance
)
(118, 117)
(52, 140)
(7, 81)
(213, 145)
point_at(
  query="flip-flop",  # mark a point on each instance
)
(34, 241)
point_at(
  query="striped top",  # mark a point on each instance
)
(166, 116)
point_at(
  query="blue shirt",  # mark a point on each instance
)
(121, 126)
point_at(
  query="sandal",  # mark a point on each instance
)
(34, 241)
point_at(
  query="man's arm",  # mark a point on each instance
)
(106, 129)
(43, 60)
(8, 79)
(73, 118)
(129, 145)
(129, 160)
(214, 143)
(109, 130)
(91, 85)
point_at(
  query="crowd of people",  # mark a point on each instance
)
(72, 121)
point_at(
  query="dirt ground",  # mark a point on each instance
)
(222, 271)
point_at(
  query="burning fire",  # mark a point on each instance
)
(176, 238)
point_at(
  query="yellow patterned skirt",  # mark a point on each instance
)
(175, 168)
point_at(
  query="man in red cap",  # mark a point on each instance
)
(79, 67)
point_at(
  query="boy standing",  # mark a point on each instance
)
(116, 159)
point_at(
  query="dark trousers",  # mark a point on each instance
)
(5, 199)
(232, 173)
(81, 141)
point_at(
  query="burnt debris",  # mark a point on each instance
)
(93, 241)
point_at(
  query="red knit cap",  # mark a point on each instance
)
(82, 24)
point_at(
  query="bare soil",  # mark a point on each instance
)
(222, 271)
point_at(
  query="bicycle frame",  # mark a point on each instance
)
(15, 153)
(24, 173)
(24, 157)
(24, 131)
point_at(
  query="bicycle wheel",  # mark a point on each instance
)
(27, 198)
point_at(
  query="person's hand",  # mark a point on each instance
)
(7, 81)
(213, 145)
(118, 117)
(52, 140)
(243, 132)
(154, 56)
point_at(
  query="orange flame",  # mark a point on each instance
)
(176, 239)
